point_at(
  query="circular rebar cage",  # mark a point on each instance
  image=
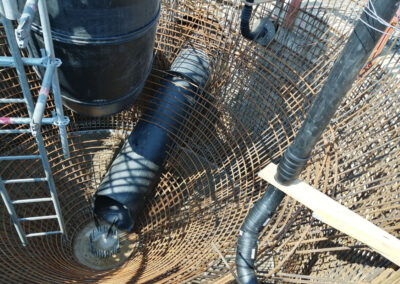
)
(249, 112)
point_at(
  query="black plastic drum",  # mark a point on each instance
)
(106, 48)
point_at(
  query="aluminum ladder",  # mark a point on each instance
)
(18, 39)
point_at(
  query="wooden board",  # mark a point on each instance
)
(338, 216)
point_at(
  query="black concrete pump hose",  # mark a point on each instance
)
(353, 57)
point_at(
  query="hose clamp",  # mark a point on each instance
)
(61, 121)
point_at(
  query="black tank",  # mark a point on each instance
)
(106, 48)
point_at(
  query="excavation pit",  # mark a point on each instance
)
(252, 108)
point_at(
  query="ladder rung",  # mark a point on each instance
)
(14, 131)
(7, 61)
(32, 200)
(8, 101)
(37, 218)
(43, 234)
(24, 180)
(27, 157)
(24, 120)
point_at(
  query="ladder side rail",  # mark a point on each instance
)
(62, 121)
(19, 66)
(35, 129)
(10, 208)
(50, 180)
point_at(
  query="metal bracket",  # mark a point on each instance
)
(57, 62)
(23, 30)
(44, 60)
(35, 128)
(62, 121)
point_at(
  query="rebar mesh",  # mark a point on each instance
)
(247, 116)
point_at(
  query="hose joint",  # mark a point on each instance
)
(290, 167)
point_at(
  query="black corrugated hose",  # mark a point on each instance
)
(260, 31)
(258, 217)
(245, 22)
(355, 54)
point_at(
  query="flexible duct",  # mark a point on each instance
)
(137, 168)
(353, 57)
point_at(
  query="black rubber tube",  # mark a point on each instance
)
(137, 168)
(263, 33)
(353, 57)
(245, 22)
(258, 218)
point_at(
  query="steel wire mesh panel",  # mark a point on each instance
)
(246, 117)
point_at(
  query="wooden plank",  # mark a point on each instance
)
(338, 216)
